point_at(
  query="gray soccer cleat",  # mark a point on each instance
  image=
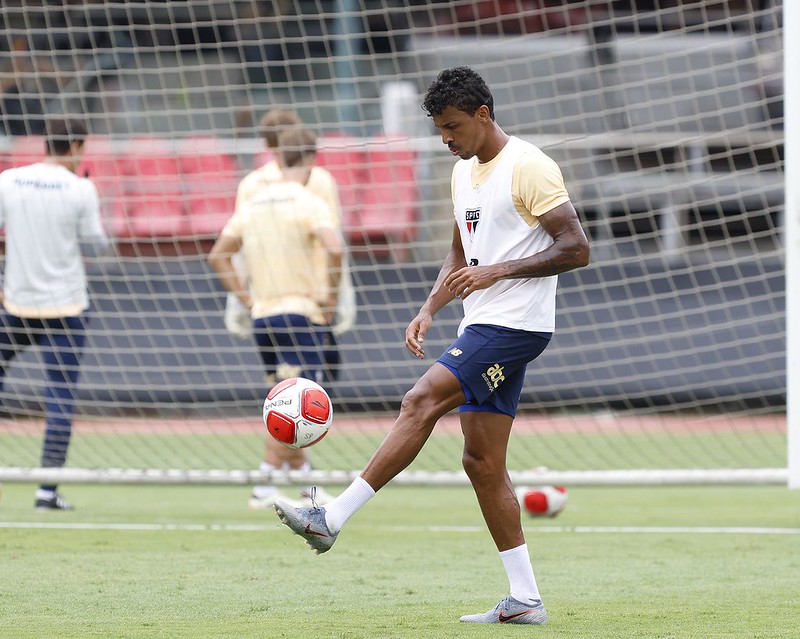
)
(309, 523)
(512, 611)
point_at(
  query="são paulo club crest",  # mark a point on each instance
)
(473, 216)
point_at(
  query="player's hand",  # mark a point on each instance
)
(465, 281)
(415, 333)
(329, 307)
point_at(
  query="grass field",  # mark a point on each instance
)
(580, 442)
(173, 562)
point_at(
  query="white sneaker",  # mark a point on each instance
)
(263, 502)
(315, 496)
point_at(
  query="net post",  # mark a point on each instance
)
(791, 59)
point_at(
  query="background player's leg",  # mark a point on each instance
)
(13, 337)
(276, 456)
(62, 353)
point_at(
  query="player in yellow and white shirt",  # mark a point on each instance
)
(322, 184)
(280, 229)
(515, 230)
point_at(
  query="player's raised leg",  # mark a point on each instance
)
(435, 394)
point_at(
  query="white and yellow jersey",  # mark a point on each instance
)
(277, 224)
(322, 184)
(497, 205)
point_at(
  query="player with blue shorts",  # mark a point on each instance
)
(515, 230)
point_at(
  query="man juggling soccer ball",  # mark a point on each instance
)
(515, 230)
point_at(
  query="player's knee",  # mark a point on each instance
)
(473, 464)
(413, 401)
(421, 402)
(478, 465)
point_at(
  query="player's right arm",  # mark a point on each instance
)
(439, 297)
(220, 259)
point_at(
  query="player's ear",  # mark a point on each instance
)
(483, 113)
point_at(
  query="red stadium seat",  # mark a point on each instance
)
(27, 149)
(388, 211)
(103, 165)
(153, 193)
(344, 157)
(210, 177)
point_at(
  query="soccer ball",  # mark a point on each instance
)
(543, 501)
(298, 412)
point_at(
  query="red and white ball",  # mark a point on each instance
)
(542, 501)
(298, 412)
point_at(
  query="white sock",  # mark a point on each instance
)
(348, 503)
(41, 493)
(520, 574)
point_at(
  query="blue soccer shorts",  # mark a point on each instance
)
(294, 341)
(490, 363)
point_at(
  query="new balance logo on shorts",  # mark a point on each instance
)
(455, 352)
(494, 376)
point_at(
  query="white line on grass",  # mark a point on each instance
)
(673, 530)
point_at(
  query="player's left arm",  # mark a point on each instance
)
(569, 250)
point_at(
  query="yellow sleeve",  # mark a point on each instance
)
(233, 227)
(324, 214)
(537, 186)
(317, 212)
(323, 185)
(245, 189)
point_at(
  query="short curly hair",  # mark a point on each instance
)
(460, 88)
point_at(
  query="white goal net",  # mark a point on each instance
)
(666, 118)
